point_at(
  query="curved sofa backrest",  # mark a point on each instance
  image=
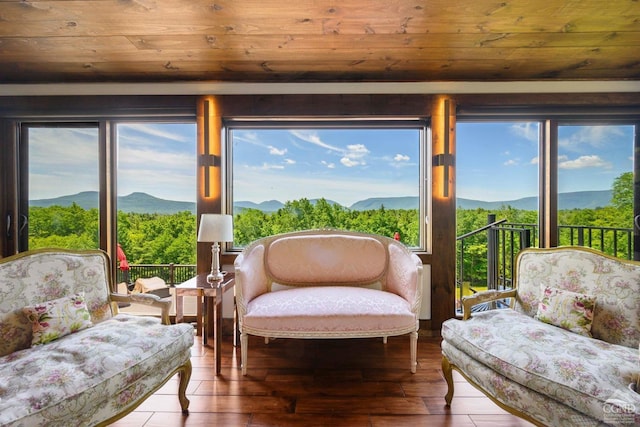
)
(329, 259)
(41, 275)
(614, 282)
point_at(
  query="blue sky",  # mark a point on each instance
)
(499, 161)
(341, 165)
(495, 161)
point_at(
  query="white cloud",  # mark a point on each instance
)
(357, 150)
(348, 162)
(354, 155)
(155, 131)
(267, 166)
(401, 158)
(329, 165)
(590, 137)
(290, 161)
(584, 162)
(277, 152)
(511, 162)
(528, 131)
(535, 160)
(313, 138)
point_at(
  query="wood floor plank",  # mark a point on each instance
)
(361, 405)
(310, 420)
(311, 383)
(422, 420)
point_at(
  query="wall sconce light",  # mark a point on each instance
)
(208, 162)
(215, 228)
(446, 159)
(210, 157)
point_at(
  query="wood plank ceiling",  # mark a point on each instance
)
(318, 41)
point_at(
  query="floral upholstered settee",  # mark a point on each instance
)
(328, 284)
(66, 357)
(566, 352)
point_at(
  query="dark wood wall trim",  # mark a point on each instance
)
(443, 258)
(8, 188)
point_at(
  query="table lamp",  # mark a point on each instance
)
(215, 228)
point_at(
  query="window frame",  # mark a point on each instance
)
(423, 125)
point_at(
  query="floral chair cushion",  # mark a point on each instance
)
(580, 372)
(569, 310)
(90, 376)
(54, 319)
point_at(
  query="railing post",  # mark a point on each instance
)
(525, 239)
(172, 269)
(580, 236)
(492, 252)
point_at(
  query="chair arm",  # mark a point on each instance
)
(251, 277)
(483, 297)
(404, 276)
(164, 304)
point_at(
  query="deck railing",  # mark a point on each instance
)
(172, 274)
(486, 256)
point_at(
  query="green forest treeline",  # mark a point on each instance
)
(161, 239)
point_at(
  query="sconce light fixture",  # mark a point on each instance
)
(445, 159)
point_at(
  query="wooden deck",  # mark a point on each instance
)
(358, 382)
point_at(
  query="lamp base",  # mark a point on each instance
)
(215, 276)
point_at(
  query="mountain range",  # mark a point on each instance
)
(145, 203)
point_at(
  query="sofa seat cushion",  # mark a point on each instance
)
(544, 409)
(331, 311)
(581, 372)
(72, 381)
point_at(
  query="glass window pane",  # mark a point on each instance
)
(63, 187)
(156, 200)
(344, 177)
(595, 187)
(497, 180)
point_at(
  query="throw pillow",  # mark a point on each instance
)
(54, 319)
(569, 310)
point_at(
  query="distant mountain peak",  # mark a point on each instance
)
(140, 202)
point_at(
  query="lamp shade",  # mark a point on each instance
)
(215, 228)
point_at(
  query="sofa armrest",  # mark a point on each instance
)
(250, 275)
(404, 276)
(163, 304)
(483, 297)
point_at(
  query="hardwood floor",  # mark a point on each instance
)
(320, 383)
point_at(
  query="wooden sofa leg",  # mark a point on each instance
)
(413, 344)
(185, 376)
(447, 370)
(244, 344)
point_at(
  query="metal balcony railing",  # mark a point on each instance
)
(172, 274)
(486, 256)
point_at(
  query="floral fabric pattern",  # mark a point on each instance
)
(545, 410)
(54, 319)
(569, 310)
(81, 378)
(553, 374)
(614, 282)
(84, 378)
(45, 276)
(571, 369)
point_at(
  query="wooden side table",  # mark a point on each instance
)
(209, 311)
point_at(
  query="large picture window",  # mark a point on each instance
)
(354, 175)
